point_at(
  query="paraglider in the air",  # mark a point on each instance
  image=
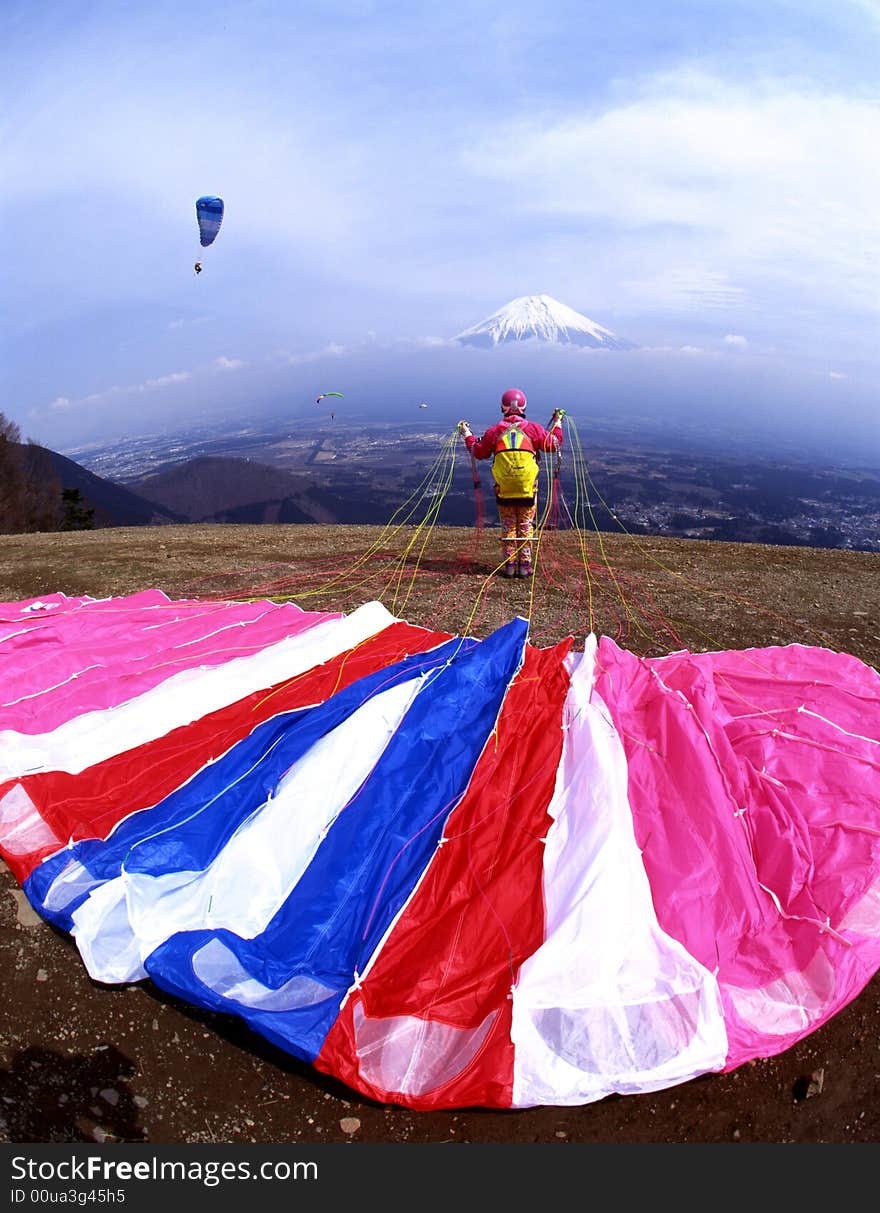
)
(209, 213)
(323, 394)
(423, 406)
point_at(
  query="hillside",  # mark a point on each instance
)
(113, 504)
(202, 1078)
(224, 489)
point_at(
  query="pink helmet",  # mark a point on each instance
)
(513, 403)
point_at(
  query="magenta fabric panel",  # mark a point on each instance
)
(52, 671)
(756, 803)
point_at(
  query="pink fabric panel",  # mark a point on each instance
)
(759, 823)
(53, 670)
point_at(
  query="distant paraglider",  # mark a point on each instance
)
(209, 213)
(423, 406)
(324, 396)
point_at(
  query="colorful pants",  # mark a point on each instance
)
(517, 529)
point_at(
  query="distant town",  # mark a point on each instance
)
(626, 480)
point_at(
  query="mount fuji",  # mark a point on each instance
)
(541, 318)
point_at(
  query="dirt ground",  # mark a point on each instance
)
(82, 1062)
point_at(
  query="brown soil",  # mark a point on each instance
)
(82, 1062)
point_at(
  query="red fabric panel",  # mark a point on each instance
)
(89, 804)
(454, 954)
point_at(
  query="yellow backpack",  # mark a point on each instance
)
(515, 464)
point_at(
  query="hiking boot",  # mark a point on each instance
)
(509, 569)
(525, 568)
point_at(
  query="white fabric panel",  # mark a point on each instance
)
(118, 957)
(413, 1055)
(95, 736)
(864, 917)
(72, 882)
(609, 1002)
(217, 967)
(792, 1003)
(261, 863)
(22, 827)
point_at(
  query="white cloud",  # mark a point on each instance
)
(228, 364)
(425, 342)
(871, 8)
(163, 381)
(836, 375)
(186, 322)
(332, 350)
(772, 180)
(737, 340)
(682, 288)
(116, 390)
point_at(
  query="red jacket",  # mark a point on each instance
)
(543, 440)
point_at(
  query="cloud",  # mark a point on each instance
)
(111, 393)
(425, 342)
(736, 340)
(186, 322)
(163, 381)
(774, 181)
(228, 364)
(836, 375)
(871, 8)
(698, 285)
(331, 350)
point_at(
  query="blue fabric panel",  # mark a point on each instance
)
(187, 829)
(371, 859)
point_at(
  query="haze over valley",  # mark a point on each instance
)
(614, 477)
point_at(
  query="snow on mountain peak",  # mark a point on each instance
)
(542, 318)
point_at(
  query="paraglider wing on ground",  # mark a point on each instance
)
(450, 872)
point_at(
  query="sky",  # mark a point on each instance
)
(701, 178)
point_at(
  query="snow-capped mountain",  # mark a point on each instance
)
(541, 318)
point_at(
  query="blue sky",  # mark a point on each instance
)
(700, 177)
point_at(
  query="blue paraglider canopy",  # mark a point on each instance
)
(209, 212)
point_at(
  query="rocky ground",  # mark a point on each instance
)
(81, 1062)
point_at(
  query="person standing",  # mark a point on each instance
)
(513, 444)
